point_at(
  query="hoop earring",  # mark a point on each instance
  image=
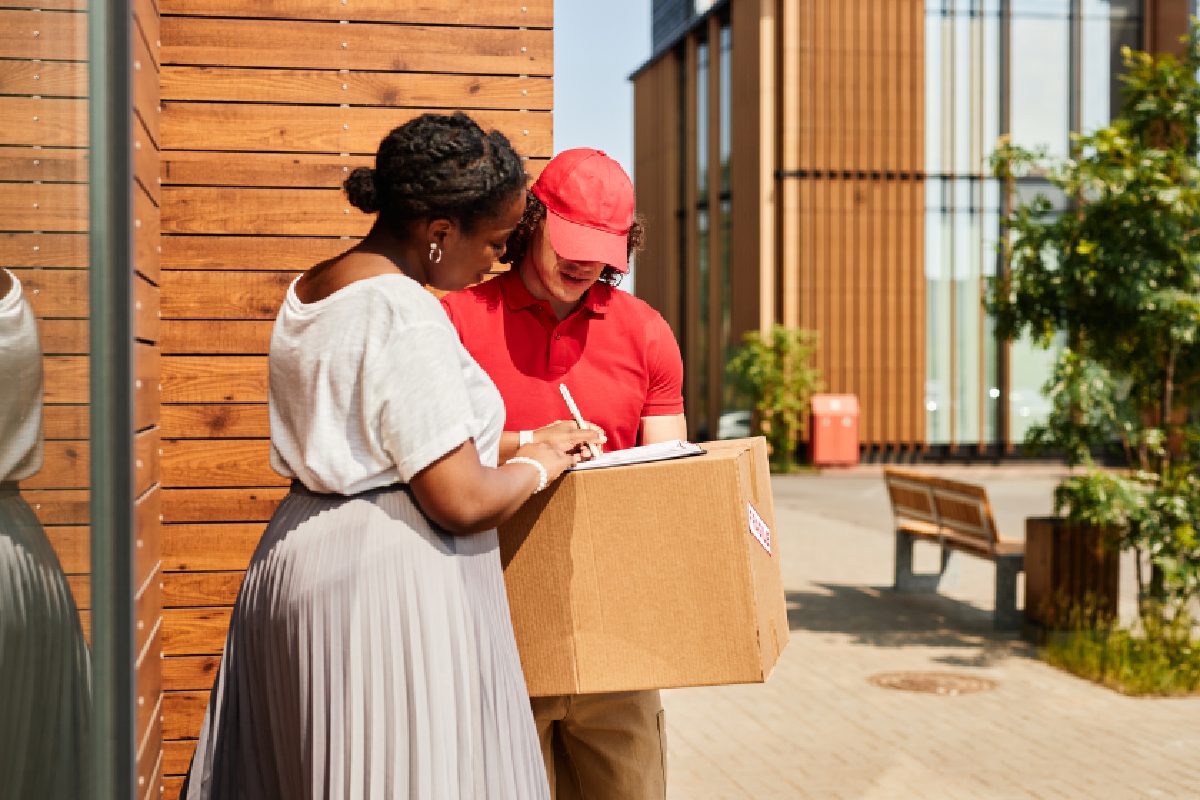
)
(435, 253)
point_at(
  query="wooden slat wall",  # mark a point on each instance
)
(43, 208)
(43, 83)
(852, 216)
(267, 107)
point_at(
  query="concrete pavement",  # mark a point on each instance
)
(820, 729)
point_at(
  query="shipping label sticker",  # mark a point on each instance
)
(759, 529)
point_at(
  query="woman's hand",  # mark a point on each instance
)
(561, 450)
(565, 435)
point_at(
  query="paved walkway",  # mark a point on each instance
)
(819, 729)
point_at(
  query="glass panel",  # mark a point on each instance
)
(1039, 71)
(938, 334)
(44, 510)
(1108, 25)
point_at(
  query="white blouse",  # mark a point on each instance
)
(370, 385)
(20, 387)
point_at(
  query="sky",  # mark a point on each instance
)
(596, 47)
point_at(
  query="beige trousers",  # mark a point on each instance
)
(603, 746)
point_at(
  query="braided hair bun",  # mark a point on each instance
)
(439, 165)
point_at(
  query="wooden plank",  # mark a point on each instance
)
(182, 714)
(72, 544)
(172, 785)
(44, 206)
(147, 512)
(146, 315)
(184, 589)
(147, 608)
(253, 295)
(528, 13)
(146, 452)
(214, 379)
(145, 87)
(194, 631)
(232, 337)
(63, 337)
(44, 250)
(43, 34)
(322, 129)
(65, 422)
(65, 379)
(81, 591)
(208, 547)
(147, 235)
(149, 736)
(184, 673)
(147, 168)
(362, 46)
(59, 506)
(229, 463)
(304, 212)
(216, 420)
(312, 87)
(56, 293)
(38, 164)
(148, 25)
(147, 389)
(209, 253)
(64, 466)
(177, 756)
(219, 505)
(49, 122)
(61, 5)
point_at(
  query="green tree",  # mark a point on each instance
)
(775, 371)
(1118, 272)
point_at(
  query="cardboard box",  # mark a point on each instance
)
(649, 576)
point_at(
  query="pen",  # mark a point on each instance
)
(574, 409)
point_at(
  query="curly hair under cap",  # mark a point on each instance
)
(438, 166)
(535, 212)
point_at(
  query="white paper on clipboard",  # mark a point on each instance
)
(659, 451)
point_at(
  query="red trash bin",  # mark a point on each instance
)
(833, 430)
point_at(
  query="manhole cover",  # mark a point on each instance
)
(943, 683)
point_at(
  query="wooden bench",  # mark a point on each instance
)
(957, 516)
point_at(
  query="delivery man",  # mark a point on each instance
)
(557, 318)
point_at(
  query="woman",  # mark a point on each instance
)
(370, 653)
(45, 684)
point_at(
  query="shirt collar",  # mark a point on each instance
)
(518, 297)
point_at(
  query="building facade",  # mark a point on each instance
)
(822, 164)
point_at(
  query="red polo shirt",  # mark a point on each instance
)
(615, 353)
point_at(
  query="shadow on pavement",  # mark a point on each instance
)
(880, 617)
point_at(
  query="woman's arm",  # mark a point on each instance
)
(560, 434)
(464, 496)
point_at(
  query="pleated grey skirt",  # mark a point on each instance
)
(369, 656)
(45, 679)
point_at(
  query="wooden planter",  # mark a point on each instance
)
(1068, 566)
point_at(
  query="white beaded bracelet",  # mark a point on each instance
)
(543, 477)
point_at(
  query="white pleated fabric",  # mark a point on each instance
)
(369, 657)
(45, 679)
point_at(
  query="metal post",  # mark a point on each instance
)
(110, 112)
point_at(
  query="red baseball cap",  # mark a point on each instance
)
(590, 203)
